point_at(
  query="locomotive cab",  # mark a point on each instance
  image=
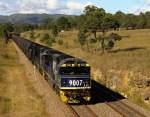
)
(75, 82)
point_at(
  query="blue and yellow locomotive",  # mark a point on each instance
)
(75, 83)
(67, 75)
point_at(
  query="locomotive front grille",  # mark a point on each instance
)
(75, 96)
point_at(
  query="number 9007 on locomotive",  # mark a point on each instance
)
(75, 81)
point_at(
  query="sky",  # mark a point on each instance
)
(74, 7)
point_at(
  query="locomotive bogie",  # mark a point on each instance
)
(75, 96)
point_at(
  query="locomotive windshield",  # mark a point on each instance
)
(74, 70)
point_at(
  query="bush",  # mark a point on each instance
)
(93, 40)
(115, 37)
(60, 42)
(45, 37)
(66, 45)
(32, 34)
(76, 41)
(55, 30)
(48, 39)
(82, 37)
(38, 35)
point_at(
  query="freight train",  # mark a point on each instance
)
(67, 75)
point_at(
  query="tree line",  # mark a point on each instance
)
(93, 16)
(92, 21)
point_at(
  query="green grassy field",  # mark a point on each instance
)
(119, 69)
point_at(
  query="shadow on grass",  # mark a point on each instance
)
(101, 94)
(127, 49)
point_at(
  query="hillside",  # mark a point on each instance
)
(29, 18)
(18, 98)
(125, 69)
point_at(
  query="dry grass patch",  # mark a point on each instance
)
(18, 98)
(130, 56)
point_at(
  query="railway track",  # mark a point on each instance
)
(117, 105)
(73, 111)
(76, 110)
(91, 111)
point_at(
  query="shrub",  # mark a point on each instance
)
(32, 34)
(60, 42)
(93, 40)
(76, 41)
(48, 39)
(66, 45)
(55, 30)
(45, 37)
(38, 35)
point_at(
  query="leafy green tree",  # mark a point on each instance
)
(9, 27)
(94, 17)
(109, 22)
(115, 37)
(142, 21)
(130, 21)
(147, 16)
(55, 30)
(5, 28)
(63, 23)
(32, 34)
(81, 21)
(120, 16)
(108, 42)
(82, 37)
(72, 22)
(1, 30)
(48, 23)
(18, 28)
(47, 39)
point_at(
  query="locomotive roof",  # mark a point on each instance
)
(49, 51)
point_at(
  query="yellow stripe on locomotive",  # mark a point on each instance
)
(75, 65)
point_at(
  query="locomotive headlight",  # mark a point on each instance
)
(86, 84)
(63, 65)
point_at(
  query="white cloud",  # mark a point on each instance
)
(77, 6)
(141, 7)
(3, 6)
(31, 5)
(74, 5)
(147, 0)
(53, 4)
(6, 8)
(42, 6)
